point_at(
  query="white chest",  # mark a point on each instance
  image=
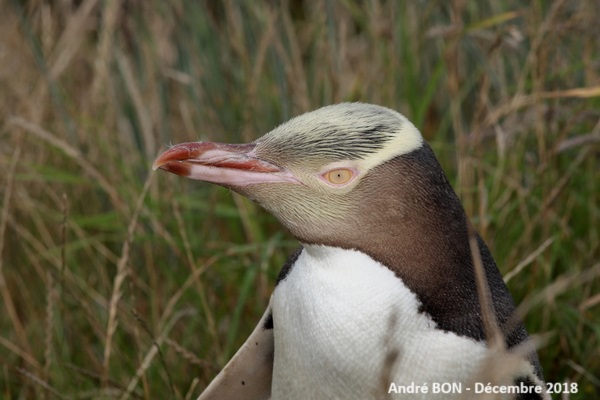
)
(339, 315)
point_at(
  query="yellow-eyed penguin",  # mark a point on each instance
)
(382, 294)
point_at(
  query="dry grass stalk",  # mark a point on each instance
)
(4, 218)
(151, 354)
(41, 383)
(104, 50)
(76, 155)
(195, 273)
(122, 272)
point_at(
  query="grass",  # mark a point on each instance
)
(119, 284)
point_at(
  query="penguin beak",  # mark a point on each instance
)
(229, 165)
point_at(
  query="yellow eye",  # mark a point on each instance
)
(338, 176)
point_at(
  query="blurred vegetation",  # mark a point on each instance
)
(115, 283)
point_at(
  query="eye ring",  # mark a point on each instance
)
(339, 176)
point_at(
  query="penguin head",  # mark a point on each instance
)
(326, 171)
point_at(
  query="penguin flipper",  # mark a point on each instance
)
(248, 375)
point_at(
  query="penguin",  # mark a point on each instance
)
(381, 300)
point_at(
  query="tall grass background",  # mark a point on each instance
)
(117, 283)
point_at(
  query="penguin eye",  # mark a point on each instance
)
(338, 176)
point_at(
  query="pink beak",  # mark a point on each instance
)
(224, 164)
